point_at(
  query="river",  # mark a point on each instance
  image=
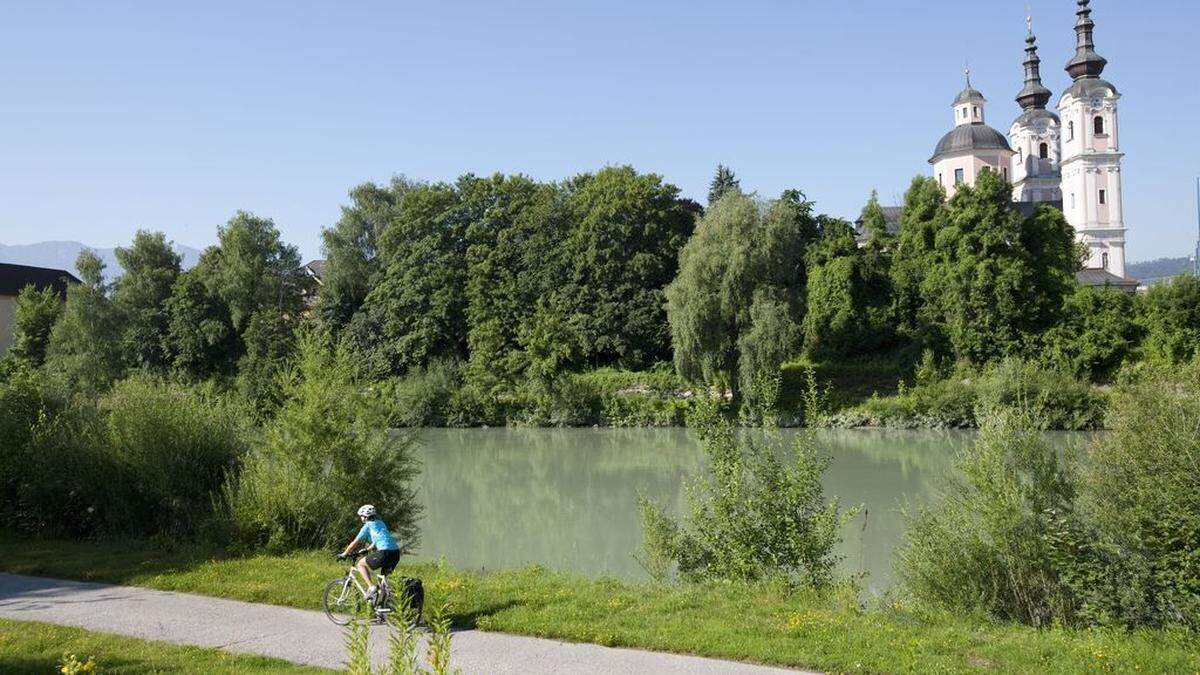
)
(567, 498)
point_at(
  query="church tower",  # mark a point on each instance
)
(971, 147)
(1035, 136)
(1091, 153)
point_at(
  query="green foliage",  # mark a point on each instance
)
(1140, 545)
(352, 251)
(327, 451)
(849, 304)
(269, 344)
(987, 544)
(34, 316)
(414, 310)
(1170, 314)
(739, 254)
(84, 348)
(254, 269)
(1097, 335)
(875, 223)
(753, 516)
(924, 214)
(148, 459)
(140, 296)
(996, 281)
(203, 342)
(627, 230)
(1057, 399)
(722, 183)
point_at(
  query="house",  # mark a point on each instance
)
(13, 278)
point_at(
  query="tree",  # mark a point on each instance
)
(415, 312)
(34, 317)
(1098, 333)
(848, 306)
(986, 290)
(253, 269)
(352, 249)
(626, 233)
(1170, 314)
(140, 295)
(875, 223)
(725, 181)
(924, 214)
(84, 347)
(200, 333)
(269, 342)
(736, 252)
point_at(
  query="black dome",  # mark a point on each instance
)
(970, 137)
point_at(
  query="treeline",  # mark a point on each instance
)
(503, 299)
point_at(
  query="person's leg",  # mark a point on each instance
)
(364, 571)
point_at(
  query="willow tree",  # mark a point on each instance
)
(737, 303)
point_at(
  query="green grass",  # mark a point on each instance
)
(32, 647)
(768, 624)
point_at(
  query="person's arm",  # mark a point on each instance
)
(350, 548)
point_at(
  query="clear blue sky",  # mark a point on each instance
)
(117, 116)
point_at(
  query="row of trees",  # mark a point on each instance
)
(513, 282)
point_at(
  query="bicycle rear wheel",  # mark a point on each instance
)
(342, 601)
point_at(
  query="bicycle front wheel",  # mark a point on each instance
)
(342, 601)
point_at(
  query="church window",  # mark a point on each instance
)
(940, 181)
(1070, 131)
(1072, 200)
(1005, 172)
(1098, 123)
(1104, 260)
(1044, 151)
(1103, 196)
(977, 111)
(959, 177)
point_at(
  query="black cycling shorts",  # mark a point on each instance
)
(384, 561)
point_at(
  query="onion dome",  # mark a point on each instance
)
(969, 94)
(1086, 62)
(1035, 94)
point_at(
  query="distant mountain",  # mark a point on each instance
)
(61, 255)
(1159, 269)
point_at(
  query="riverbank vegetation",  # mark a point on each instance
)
(609, 299)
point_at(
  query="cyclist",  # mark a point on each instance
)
(374, 533)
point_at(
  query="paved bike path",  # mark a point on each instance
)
(306, 637)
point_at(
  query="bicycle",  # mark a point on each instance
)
(345, 598)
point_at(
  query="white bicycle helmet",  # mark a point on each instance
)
(366, 511)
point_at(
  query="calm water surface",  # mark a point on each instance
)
(567, 499)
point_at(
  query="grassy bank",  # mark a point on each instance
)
(32, 647)
(754, 623)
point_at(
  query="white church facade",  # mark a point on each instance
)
(1070, 159)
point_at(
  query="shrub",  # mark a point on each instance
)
(174, 445)
(327, 451)
(1140, 500)
(422, 398)
(1170, 314)
(753, 516)
(988, 543)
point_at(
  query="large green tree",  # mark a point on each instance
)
(1170, 313)
(415, 311)
(848, 309)
(1097, 334)
(255, 269)
(140, 296)
(352, 250)
(736, 304)
(84, 347)
(997, 281)
(626, 232)
(913, 253)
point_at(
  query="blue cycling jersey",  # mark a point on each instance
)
(376, 532)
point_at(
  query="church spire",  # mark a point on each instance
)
(1034, 95)
(1086, 63)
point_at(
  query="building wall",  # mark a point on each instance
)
(8, 306)
(972, 165)
(1091, 164)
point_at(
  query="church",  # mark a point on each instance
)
(1070, 159)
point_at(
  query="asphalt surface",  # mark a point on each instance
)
(309, 638)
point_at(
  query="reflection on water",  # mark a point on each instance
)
(567, 498)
